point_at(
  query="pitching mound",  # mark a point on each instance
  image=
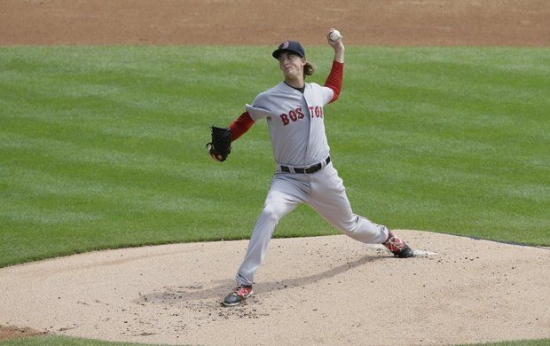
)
(311, 291)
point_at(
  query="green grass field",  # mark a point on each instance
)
(103, 147)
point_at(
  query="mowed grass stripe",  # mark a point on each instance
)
(104, 146)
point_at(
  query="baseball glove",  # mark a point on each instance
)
(220, 147)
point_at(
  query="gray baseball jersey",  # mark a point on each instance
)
(296, 122)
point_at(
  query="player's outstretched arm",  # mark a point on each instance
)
(336, 75)
(335, 40)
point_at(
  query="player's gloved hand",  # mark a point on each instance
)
(220, 147)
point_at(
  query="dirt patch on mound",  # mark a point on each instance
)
(10, 333)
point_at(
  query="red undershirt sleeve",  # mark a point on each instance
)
(242, 124)
(334, 79)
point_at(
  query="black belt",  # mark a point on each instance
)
(308, 169)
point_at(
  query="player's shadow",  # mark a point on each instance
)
(194, 292)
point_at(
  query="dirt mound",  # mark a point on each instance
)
(322, 290)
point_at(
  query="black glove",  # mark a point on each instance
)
(220, 147)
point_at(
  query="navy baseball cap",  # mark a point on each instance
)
(290, 46)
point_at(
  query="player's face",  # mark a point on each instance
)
(292, 65)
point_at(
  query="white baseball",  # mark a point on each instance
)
(335, 35)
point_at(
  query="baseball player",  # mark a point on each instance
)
(294, 111)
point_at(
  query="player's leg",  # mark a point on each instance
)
(277, 205)
(329, 199)
(284, 196)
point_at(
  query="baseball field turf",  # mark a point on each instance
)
(104, 147)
